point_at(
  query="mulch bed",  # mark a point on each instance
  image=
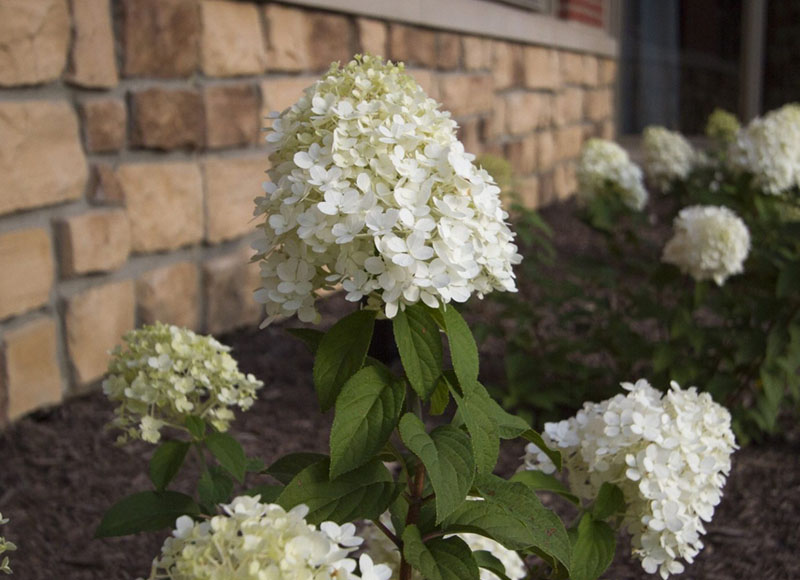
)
(60, 470)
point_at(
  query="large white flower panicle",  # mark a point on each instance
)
(371, 188)
(605, 169)
(670, 454)
(668, 156)
(769, 149)
(165, 374)
(258, 541)
(708, 243)
(5, 546)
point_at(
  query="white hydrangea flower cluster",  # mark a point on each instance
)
(371, 189)
(668, 156)
(257, 541)
(5, 546)
(384, 550)
(722, 126)
(708, 243)
(769, 149)
(167, 373)
(605, 169)
(670, 454)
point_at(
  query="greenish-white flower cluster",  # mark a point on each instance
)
(605, 169)
(668, 156)
(670, 454)
(5, 546)
(708, 243)
(258, 541)
(165, 374)
(370, 188)
(722, 126)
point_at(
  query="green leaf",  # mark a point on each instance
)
(447, 456)
(539, 481)
(439, 559)
(166, 462)
(440, 398)
(487, 560)
(463, 349)
(417, 336)
(535, 438)
(288, 466)
(311, 337)
(196, 426)
(610, 501)
(363, 493)
(214, 488)
(268, 493)
(593, 549)
(228, 451)
(367, 411)
(145, 511)
(474, 408)
(788, 280)
(341, 354)
(255, 465)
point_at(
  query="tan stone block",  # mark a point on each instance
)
(281, 93)
(97, 241)
(32, 374)
(95, 321)
(165, 204)
(372, 36)
(104, 188)
(169, 295)
(540, 68)
(41, 158)
(330, 39)
(571, 68)
(506, 64)
(599, 104)
(527, 190)
(564, 180)
(545, 150)
(167, 119)
(449, 54)
(569, 141)
(477, 53)
(288, 30)
(26, 263)
(608, 71)
(470, 134)
(104, 124)
(412, 45)
(231, 186)
(427, 79)
(569, 106)
(608, 130)
(232, 42)
(466, 94)
(497, 122)
(92, 61)
(34, 37)
(233, 115)
(522, 154)
(591, 73)
(547, 191)
(229, 283)
(526, 112)
(148, 49)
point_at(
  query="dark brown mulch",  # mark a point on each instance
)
(59, 471)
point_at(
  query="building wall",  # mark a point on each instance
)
(131, 150)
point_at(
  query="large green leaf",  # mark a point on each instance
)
(367, 411)
(474, 409)
(447, 456)
(214, 487)
(229, 452)
(145, 511)
(285, 468)
(610, 501)
(463, 349)
(417, 336)
(539, 481)
(363, 493)
(166, 462)
(341, 354)
(490, 562)
(439, 559)
(311, 337)
(593, 549)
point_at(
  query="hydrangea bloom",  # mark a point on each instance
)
(606, 169)
(371, 189)
(670, 455)
(668, 156)
(722, 126)
(769, 149)
(708, 243)
(257, 541)
(5, 546)
(384, 550)
(167, 373)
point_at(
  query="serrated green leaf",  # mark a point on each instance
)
(463, 350)
(288, 466)
(592, 550)
(440, 398)
(341, 354)
(367, 411)
(166, 462)
(196, 426)
(417, 336)
(229, 452)
(488, 561)
(146, 511)
(268, 493)
(610, 501)
(439, 559)
(539, 481)
(475, 411)
(311, 337)
(214, 487)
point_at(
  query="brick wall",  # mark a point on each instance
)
(130, 153)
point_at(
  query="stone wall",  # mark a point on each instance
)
(131, 150)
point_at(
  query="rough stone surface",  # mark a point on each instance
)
(34, 37)
(95, 321)
(506, 64)
(591, 72)
(449, 56)
(30, 361)
(331, 39)
(526, 112)
(528, 188)
(231, 186)
(572, 67)
(169, 295)
(477, 53)
(568, 142)
(564, 180)
(540, 67)
(104, 188)
(41, 158)
(287, 32)
(97, 241)
(413, 46)
(522, 154)
(92, 61)
(27, 269)
(470, 133)
(232, 115)
(599, 104)
(279, 93)
(232, 41)
(229, 283)
(545, 150)
(165, 204)
(150, 51)
(466, 94)
(372, 36)
(497, 122)
(104, 124)
(167, 119)
(569, 106)
(608, 71)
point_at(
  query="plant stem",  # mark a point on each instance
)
(417, 490)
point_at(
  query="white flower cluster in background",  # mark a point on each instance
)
(708, 243)
(605, 169)
(371, 189)
(670, 454)
(769, 149)
(257, 541)
(722, 126)
(5, 546)
(384, 550)
(166, 373)
(668, 156)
